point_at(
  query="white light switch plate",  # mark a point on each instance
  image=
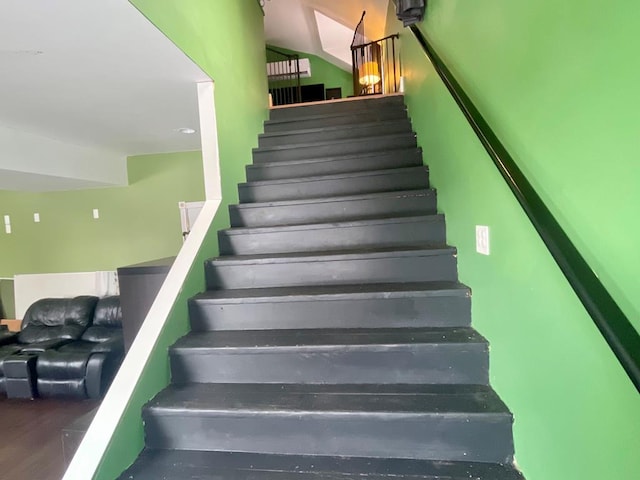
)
(482, 239)
(36, 217)
(96, 213)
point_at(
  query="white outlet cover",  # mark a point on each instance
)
(36, 217)
(96, 213)
(482, 239)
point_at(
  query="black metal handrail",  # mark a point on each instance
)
(615, 327)
(395, 35)
(284, 79)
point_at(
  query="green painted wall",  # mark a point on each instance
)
(138, 222)
(226, 39)
(556, 83)
(321, 71)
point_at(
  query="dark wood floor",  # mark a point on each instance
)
(31, 436)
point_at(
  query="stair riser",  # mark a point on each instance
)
(356, 146)
(324, 212)
(378, 270)
(333, 108)
(435, 364)
(431, 311)
(181, 465)
(345, 119)
(359, 131)
(417, 232)
(380, 161)
(393, 180)
(460, 437)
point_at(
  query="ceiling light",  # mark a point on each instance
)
(186, 130)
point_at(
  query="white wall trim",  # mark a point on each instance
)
(87, 459)
(96, 441)
(209, 141)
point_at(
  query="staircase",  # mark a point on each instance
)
(334, 340)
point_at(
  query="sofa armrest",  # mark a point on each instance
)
(114, 346)
(40, 347)
(101, 368)
(7, 338)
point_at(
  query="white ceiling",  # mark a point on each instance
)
(92, 81)
(85, 83)
(292, 23)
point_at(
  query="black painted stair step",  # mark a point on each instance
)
(334, 209)
(380, 160)
(334, 148)
(428, 304)
(380, 355)
(320, 134)
(356, 105)
(155, 464)
(431, 422)
(323, 186)
(380, 265)
(369, 233)
(334, 119)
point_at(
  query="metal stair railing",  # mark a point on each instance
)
(284, 78)
(375, 64)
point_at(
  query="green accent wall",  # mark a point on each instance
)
(556, 83)
(137, 223)
(322, 71)
(226, 39)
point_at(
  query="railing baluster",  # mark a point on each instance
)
(284, 78)
(376, 58)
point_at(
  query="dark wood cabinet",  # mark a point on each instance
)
(139, 286)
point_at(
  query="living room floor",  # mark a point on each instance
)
(31, 436)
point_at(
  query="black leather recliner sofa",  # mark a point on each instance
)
(86, 366)
(48, 323)
(6, 336)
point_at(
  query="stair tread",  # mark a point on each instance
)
(334, 292)
(336, 199)
(291, 146)
(383, 399)
(154, 464)
(332, 158)
(328, 338)
(302, 391)
(334, 224)
(335, 255)
(355, 126)
(337, 176)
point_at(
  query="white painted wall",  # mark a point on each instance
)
(32, 287)
(26, 153)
